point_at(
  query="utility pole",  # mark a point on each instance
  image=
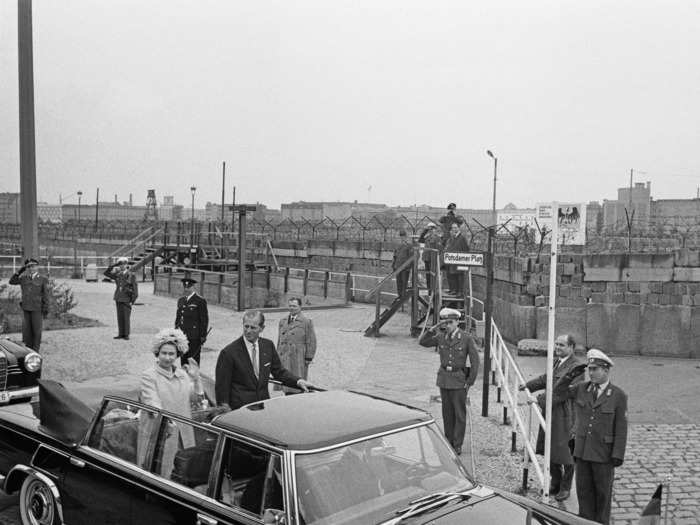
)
(27, 146)
(223, 192)
(488, 306)
(97, 208)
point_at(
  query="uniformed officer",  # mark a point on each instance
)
(125, 294)
(459, 365)
(192, 318)
(35, 301)
(600, 435)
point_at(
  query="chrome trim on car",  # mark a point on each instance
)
(29, 391)
(30, 471)
(3, 371)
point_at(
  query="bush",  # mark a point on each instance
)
(61, 299)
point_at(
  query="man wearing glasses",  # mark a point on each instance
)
(561, 463)
(459, 364)
(244, 367)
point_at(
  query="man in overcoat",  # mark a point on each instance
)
(296, 340)
(244, 367)
(34, 303)
(449, 219)
(561, 463)
(459, 365)
(431, 252)
(401, 254)
(456, 243)
(192, 317)
(600, 435)
(125, 294)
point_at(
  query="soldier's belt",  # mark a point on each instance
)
(449, 368)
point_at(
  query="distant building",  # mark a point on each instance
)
(636, 200)
(670, 214)
(10, 211)
(317, 211)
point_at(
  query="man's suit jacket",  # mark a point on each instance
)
(236, 383)
(192, 317)
(126, 290)
(453, 245)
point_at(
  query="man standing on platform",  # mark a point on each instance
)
(561, 463)
(431, 252)
(459, 365)
(192, 318)
(456, 243)
(125, 294)
(401, 255)
(600, 434)
(296, 340)
(34, 303)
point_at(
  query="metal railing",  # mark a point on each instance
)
(525, 418)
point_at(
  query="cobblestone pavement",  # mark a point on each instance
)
(395, 367)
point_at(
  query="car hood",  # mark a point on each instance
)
(488, 506)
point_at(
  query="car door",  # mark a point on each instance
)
(100, 477)
(179, 475)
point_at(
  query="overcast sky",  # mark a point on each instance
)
(319, 100)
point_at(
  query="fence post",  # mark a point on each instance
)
(221, 285)
(286, 279)
(348, 287)
(325, 284)
(306, 281)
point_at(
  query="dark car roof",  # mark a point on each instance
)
(319, 419)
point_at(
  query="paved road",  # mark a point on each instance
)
(394, 366)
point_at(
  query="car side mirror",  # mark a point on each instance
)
(274, 517)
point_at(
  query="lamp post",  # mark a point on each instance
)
(193, 189)
(488, 307)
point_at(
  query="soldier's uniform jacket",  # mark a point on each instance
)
(459, 359)
(35, 291)
(126, 290)
(192, 317)
(601, 424)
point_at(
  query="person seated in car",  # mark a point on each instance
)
(168, 387)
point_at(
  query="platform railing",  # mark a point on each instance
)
(525, 418)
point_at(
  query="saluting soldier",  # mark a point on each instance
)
(34, 303)
(459, 365)
(600, 435)
(192, 318)
(296, 340)
(125, 294)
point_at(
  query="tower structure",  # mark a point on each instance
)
(151, 206)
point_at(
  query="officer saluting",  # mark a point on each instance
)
(459, 364)
(192, 318)
(600, 434)
(35, 301)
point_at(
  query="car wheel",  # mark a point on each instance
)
(37, 505)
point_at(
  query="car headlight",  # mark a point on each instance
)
(32, 362)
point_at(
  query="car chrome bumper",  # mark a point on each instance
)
(9, 395)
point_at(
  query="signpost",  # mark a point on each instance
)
(464, 260)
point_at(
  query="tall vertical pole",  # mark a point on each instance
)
(223, 192)
(241, 258)
(550, 348)
(488, 307)
(27, 152)
(97, 209)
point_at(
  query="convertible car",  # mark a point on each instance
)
(321, 458)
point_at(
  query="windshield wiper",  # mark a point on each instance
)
(426, 503)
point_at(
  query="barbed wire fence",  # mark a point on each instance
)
(660, 235)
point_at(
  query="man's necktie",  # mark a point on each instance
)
(596, 390)
(255, 359)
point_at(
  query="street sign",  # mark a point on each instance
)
(464, 260)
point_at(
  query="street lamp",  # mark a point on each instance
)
(80, 194)
(193, 189)
(488, 307)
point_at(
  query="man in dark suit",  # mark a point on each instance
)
(35, 301)
(561, 463)
(459, 364)
(402, 253)
(456, 243)
(244, 367)
(192, 318)
(600, 435)
(125, 294)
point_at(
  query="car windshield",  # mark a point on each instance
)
(368, 481)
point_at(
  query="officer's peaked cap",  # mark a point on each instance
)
(31, 260)
(449, 313)
(122, 260)
(188, 281)
(596, 357)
